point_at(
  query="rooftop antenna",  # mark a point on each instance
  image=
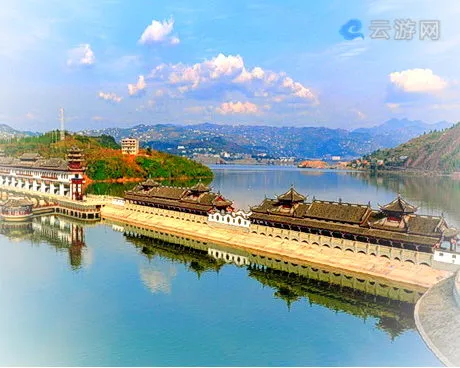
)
(61, 118)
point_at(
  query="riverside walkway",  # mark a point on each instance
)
(437, 316)
(378, 267)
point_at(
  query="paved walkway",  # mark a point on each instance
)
(419, 276)
(437, 317)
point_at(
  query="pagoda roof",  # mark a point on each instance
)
(200, 187)
(291, 196)
(220, 201)
(399, 205)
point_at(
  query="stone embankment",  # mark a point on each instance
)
(414, 275)
(437, 316)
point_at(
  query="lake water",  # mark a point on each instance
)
(99, 297)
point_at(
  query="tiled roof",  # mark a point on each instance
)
(167, 202)
(200, 187)
(50, 164)
(331, 211)
(200, 198)
(399, 205)
(356, 218)
(291, 196)
(166, 192)
(220, 201)
(339, 212)
(423, 224)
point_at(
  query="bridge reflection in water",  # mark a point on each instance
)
(63, 234)
(391, 305)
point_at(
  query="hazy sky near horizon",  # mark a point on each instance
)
(121, 63)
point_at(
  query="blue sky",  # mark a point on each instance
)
(120, 63)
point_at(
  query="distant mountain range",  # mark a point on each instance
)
(263, 141)
(269, 141)
(7, 132)
(396, 131)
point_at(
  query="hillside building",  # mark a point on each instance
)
(130, 146)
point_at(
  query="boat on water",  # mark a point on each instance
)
(16, 210)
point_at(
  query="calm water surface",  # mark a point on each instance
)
(104, 301)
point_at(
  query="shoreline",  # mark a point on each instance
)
(407, 172)
(136, 180)
(418, 276)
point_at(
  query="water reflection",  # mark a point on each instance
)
(196, 260)
(393, 316)
(156, 278)
(390, 305)
(62, 234)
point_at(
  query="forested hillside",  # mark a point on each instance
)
(435, 151)
(104, 159)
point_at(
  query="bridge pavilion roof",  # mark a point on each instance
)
(399, 205)
(291, 196)
(355, 218)
(199, 197)
(200, 188)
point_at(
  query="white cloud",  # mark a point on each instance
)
(158, 281)
(360, 115)
(82, 55)
(224, 74)
(174, 40)
(138, 88)
(159, 32)
(109, 96)
(237, 108)
(417, 80)
(393, 106)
